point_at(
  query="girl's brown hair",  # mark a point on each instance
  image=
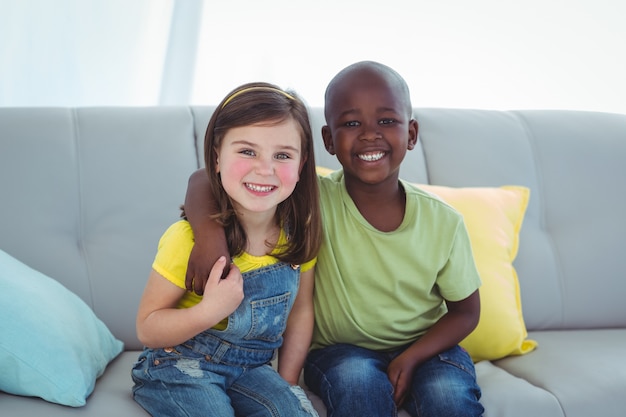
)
(299, 214)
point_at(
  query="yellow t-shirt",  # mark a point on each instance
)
(173, 255)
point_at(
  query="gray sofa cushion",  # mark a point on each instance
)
(86, 193)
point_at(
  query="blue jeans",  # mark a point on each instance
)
(226, 373)
(352, 381)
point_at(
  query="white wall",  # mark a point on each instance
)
(498, 54)
(82, 52)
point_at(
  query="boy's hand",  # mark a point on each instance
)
(200, 265)
(223, 295)
(400, 374)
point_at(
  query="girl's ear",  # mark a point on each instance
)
(328, 140)
(302, 162)
(217, 162)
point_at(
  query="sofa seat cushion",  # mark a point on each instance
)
(112, 396)
(576, 365)
(52, 346)
(505, 394)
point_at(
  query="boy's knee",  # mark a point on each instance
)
(345, 369)
(459, 406)
(358, 376)
(446, 396)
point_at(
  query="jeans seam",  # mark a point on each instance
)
(328, 403)
(269, 406)
(457, 365)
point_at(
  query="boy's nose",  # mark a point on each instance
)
(370, 133)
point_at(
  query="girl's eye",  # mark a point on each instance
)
(247, 152)
(283, 156)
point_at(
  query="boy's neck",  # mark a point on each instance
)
(382, 205)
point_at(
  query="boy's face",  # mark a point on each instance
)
(369, 127)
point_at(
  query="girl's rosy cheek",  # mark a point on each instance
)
(288, 173)
(239, 167)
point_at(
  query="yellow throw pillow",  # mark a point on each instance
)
(493, 217)
(323, 170)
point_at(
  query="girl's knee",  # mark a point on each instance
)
(305, 403)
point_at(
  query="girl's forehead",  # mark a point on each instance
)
(287, 131)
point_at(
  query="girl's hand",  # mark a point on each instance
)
(223, 296)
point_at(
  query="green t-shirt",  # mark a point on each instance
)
(382, 290)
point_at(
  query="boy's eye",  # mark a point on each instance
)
(352, 123)
(386, 121)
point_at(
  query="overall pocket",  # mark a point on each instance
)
(269, 318)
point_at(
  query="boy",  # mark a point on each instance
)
(387, 331)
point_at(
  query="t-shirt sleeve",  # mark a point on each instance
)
(173, 253)
(459, 278)
(308, 265)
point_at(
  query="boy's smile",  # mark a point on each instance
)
(372, 156)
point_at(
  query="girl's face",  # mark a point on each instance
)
(260, 165)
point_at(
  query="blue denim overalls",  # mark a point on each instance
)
(227, 372)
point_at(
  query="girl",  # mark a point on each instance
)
(210, 355)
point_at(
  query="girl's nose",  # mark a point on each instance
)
(264, 166)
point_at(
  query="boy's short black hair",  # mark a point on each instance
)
(385, 71)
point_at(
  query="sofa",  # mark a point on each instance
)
(87, 192)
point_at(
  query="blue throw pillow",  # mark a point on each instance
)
(51, 343)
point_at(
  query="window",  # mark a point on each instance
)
(453, 53)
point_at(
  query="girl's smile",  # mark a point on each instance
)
(260, 188)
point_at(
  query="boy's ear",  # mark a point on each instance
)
(328, 140)
(413, 130)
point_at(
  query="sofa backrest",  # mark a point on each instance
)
(86, 193)
(571, 258)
